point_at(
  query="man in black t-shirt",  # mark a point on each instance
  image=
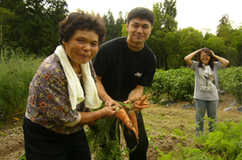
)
(124, 66)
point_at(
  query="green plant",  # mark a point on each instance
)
(230, 80)
(22, 157)
(17, 70)
(163, 156)
(226, 140)
(177, 84)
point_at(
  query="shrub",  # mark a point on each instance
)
(230, 80)
(177, 84)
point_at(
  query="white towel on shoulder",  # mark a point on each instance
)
(76, 93)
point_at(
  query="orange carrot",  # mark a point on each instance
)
(133, 119)
(140, 107)
(123, 117)
(136, 99)
(133, 105)
(143, 100)
(145, 103)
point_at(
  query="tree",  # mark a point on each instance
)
(124, 30)
(224, 29)
(36, 24)
(236, 42)
(217, 45)
(164, 22)
(110, 25)
(190, 40)
(157, 45)
(173, 50)
(119, 22)
(5, 15)
(14, 23)
(169, 11)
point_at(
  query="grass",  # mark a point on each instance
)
(17, 70)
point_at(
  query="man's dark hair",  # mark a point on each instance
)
(142, 13)
(81, 20)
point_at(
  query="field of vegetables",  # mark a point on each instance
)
(170, 126)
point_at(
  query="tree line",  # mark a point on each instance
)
(33, 26)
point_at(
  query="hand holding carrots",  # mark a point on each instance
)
(139, 103)
(108, 112)
(111, 102)
(127, 113)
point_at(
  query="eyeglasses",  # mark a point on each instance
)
(204, 56)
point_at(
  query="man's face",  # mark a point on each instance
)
(139, 30)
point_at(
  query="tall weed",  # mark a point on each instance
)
(17, 70)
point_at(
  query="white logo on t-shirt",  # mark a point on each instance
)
(138, 74)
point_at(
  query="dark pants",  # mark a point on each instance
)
(43, 144)
(140, 152)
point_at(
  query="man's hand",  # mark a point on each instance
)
(111, 102)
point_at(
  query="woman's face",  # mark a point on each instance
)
(205, 58)
(82, 46)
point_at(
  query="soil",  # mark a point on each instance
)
(12, 138)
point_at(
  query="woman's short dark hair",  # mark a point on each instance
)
(142, 13)
(81, 20)
(208, 52)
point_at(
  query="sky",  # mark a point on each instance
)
(203, 15)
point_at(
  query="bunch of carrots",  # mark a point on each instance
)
(126, 113)
(99, 135)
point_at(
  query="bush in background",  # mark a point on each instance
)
(230, 80)
(175, 84)
(178, 84)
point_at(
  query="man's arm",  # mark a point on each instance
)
(136, 92)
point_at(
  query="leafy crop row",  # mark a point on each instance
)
(17, 70)
(230, 80)
(224, 143)
(178, 84)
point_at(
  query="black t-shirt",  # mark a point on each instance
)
(122, 69)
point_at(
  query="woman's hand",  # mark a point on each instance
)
(90, 117)
(109, 112)
(224, 62)
(188, 58)
(213, 54)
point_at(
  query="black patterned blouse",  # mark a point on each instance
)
(48, 102)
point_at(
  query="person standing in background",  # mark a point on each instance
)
(206, 95)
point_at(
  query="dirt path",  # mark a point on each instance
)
(12, 141)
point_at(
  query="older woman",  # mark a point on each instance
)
(63, 91)
(206, 83)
